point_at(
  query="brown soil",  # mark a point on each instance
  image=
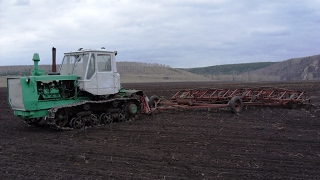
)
(260, 142)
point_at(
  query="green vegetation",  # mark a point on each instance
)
(228, 69)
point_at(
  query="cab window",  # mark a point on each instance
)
(91, 67)
(104, 62)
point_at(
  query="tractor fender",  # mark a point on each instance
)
(129, 93)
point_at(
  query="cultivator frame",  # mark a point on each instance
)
(233, 98)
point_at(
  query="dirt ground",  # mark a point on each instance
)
(260, 142)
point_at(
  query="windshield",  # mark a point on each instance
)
(67, 64)
(74, 64)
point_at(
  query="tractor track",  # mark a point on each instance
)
(50, 119)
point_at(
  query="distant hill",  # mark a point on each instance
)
(228, 68)
(129, 72)
(234, 72)
(146, 72)
(304, 68)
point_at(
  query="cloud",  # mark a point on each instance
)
(22, 2)
(174, 32)
(271, 31)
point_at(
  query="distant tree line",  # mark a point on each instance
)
(306, 68)
(228, 69)
(14, 73)
(140, 64)
(122, 67)
(243, 77)
(22, 70)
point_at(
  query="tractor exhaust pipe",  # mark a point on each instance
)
(54, 65)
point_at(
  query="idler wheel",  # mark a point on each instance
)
(132, 108)
(61, 118)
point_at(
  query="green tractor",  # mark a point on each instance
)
(85, 92)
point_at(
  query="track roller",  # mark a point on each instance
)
(122, 116)
(106, 118)
(77, 123)
(94, 120)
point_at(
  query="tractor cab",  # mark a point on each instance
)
(96, 70)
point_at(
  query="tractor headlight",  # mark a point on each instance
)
(28, 80)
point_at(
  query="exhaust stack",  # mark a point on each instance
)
(54, 65)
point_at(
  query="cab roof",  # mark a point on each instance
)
(81, 50)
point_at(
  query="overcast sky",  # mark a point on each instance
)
(178, 33)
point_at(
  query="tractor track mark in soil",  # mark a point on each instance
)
(260, 142)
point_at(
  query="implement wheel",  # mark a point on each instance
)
(153, 101)
(236, 104)
(293, 105)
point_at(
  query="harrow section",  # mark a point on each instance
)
(233, 98)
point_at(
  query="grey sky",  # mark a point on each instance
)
(178, 33)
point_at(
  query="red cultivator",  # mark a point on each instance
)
(235, 99)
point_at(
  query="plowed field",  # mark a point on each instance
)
(260, 142)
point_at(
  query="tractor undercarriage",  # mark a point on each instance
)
(92, 113)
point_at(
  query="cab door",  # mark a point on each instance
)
(107, 77)
(91, 80)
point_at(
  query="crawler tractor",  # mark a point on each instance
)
(85, 92)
